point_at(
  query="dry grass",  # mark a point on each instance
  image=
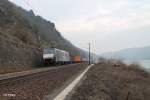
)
(4, 70)
(108, 82)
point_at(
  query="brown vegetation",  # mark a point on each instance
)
(107, 82)
(4, 70)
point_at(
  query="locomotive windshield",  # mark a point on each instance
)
(48, 51)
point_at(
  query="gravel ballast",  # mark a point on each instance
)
(35, 87)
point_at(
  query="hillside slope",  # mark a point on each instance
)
(23, 35)
(131, 53)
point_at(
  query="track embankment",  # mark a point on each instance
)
(109, 81)
(63, 94)
(35, 85)
(10, 69)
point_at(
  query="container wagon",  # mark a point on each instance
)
(77, 59)
(55, 56)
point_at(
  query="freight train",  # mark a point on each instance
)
(55, 56)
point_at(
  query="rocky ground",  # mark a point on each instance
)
(107, 81)
(37, 86)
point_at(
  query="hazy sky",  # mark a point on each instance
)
(108, 24)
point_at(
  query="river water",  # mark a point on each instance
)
(145, 64)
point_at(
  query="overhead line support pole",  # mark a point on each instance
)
(89, 53)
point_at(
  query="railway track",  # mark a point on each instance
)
(10, 78)
(35, 84)
(24, 78)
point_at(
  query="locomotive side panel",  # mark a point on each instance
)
(62, 56)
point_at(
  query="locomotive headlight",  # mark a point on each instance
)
(48, 56)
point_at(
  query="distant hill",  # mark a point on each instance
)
(139, 53)
(23, 35)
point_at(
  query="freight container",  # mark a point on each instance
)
(77, 59)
